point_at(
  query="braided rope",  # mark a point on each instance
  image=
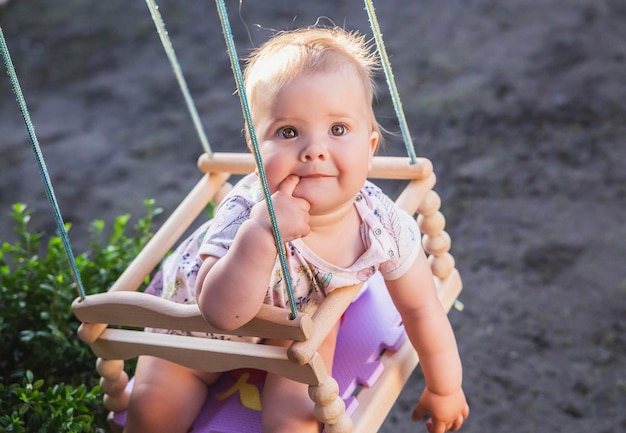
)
(8, 63)
(391, 83)
(234, 62)
(171, 55)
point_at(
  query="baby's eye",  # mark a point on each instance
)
(287, 132)
(337, 130)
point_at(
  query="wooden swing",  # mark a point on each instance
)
(300, 362)
(123, 306)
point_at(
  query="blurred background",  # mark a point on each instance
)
(518, 103)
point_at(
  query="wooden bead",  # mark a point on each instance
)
(117, 403)
(114, 427)
(441, 266)
(344, 425)
(109, 368)
(432, 224)
(330, 413)
(115, 386)
(430, 204)
(325, 393)
(438, 244)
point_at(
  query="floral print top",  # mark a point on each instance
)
(390, 235)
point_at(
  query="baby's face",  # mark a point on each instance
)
(319, 127)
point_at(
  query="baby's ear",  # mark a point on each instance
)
(374, 137)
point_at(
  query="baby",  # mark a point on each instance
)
(310, 93)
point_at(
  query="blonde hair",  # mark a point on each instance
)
(308, 50)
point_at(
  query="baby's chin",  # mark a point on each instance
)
(311, 196)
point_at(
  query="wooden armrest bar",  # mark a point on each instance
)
(383, 167)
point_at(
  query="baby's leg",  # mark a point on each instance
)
(287, 406)
(166, 397)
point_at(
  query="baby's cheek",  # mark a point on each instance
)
(273, 176)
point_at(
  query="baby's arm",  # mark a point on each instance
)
(230, 290)
(431, 334)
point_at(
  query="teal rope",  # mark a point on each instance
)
(234, 62)
(393, 90)
(171, 55)
(8, 63)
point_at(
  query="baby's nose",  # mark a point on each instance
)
(314, 149)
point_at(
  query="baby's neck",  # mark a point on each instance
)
(337, 219)
(335, 237)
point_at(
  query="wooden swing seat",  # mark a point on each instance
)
(122, 305)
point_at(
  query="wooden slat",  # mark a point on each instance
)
(376, 402)
(207, 354)
(164, 239)
(449, 289)
(143, 310)
(170, 232)
(414, 193)
(324, 319)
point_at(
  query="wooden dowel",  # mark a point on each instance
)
(414, 193)
(324, 319)
(450, 289)
(173, 228)
(383, 167)
(171, 231)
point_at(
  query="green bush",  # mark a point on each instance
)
(37, 326)
(30, 407)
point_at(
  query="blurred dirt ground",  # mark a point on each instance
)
(519, 104)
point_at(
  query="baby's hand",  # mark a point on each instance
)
(292, 213)
(447, 412)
